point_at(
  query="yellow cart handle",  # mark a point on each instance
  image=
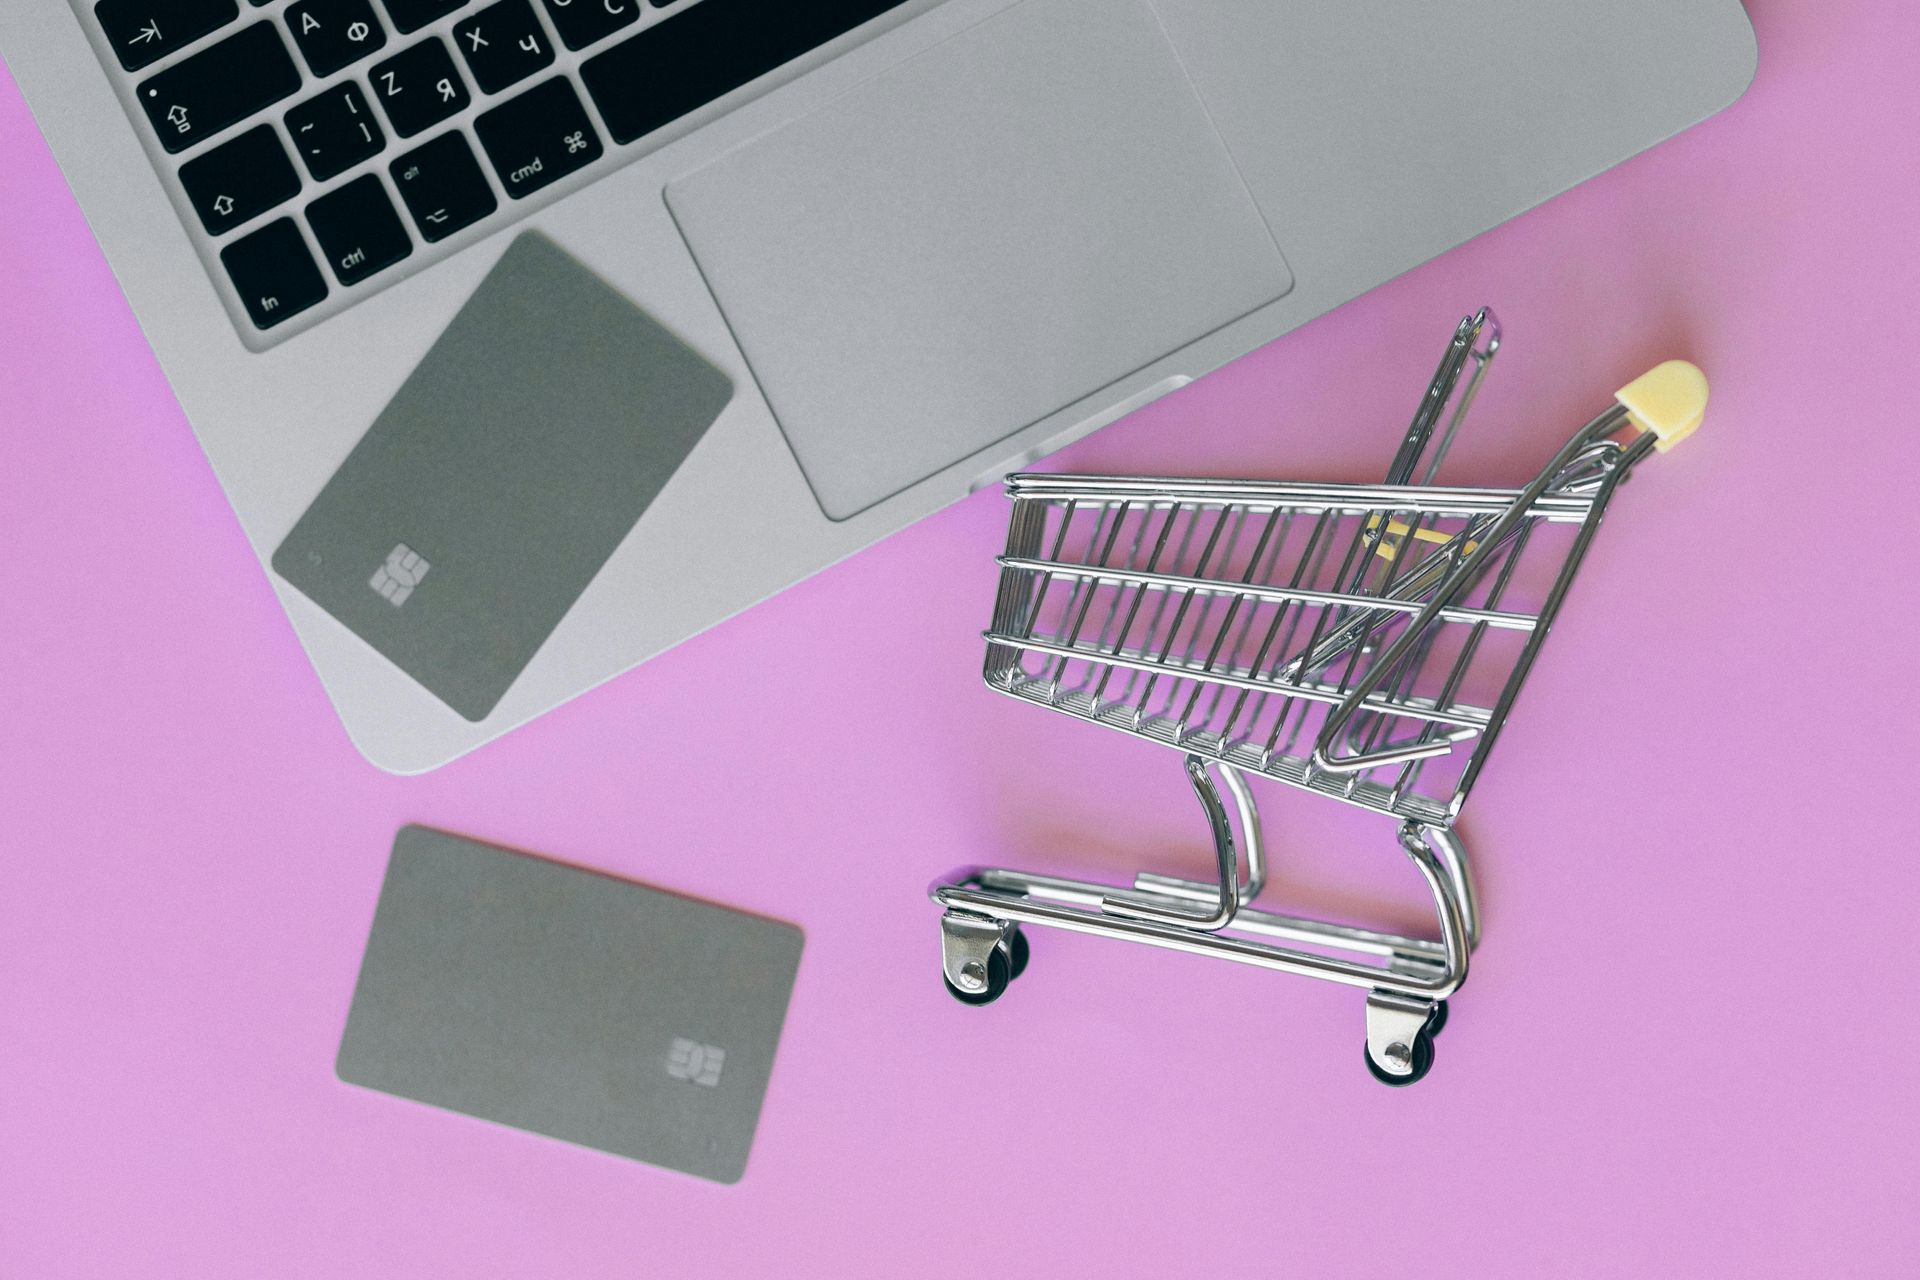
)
(1669, 400)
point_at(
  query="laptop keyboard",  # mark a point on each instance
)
(321, 143)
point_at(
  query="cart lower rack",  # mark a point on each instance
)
(1363, 642)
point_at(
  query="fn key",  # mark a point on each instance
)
(274, 273)
(538, 138)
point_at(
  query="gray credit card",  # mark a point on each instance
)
(494, 485)
(570, 1004)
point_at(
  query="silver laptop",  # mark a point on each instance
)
(530, 337)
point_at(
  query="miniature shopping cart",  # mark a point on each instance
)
(1363, 642)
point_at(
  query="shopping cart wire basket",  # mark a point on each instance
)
(1363, 642)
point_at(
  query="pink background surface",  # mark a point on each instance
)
(1688, 1047)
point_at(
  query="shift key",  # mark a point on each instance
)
(538, 138)
(201, 95)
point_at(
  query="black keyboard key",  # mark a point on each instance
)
(240, 179)
(334, 33)
(226, 82)
(143, 31)
(697, 55)
(503, 44)
(358, 231)
(443, 186)
(274, 273)
(419, 87)
(581, 22)
(334, 130)
(538, 138)
(411, 15)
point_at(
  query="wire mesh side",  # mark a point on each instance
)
(1227, 621)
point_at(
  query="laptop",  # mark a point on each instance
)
(529, 338)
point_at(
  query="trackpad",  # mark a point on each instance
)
(977, 238)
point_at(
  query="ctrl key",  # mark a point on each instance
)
(273, 273)
(358, 230)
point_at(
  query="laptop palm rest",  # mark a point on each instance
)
(976, 239)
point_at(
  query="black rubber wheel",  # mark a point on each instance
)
(998, 976)
(1422, 1062)
(1018, 953)
(1437, 1019)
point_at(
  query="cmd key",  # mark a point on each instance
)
(538, 138)
(229, 81)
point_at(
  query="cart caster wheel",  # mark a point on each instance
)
(1438, 1018)
(1018, 953)
(1422, 1061)
(999, 973)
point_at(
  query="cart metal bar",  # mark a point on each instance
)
(1410, 772)
(1629, 454)
(1214, 745)
(1409, 588)
(1175, 581)
(1462, 348)
(1194, 942)
(1259, 495)
(1428, 981)
(1472, 719)
(1448, 847)
(1293, 928)
(1325, 753)
(1228, 894)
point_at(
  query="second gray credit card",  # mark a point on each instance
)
(570, 1004)
(502, 475)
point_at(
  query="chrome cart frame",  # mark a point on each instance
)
(1365, 642)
